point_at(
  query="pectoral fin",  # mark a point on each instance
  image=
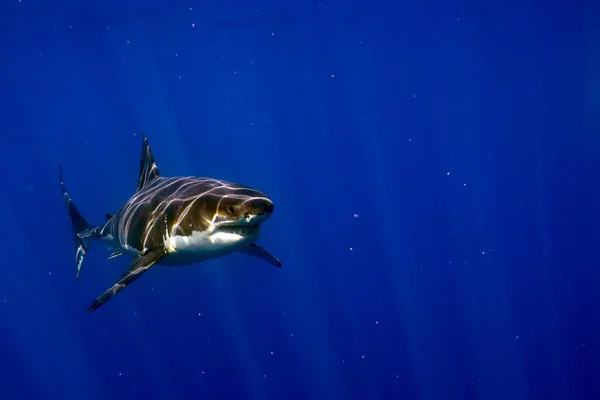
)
(138, 267)
(259, 252)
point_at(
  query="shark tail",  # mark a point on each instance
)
(83, 232)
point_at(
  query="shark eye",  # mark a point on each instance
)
(231, 209)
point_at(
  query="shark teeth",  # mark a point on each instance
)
(242, 230)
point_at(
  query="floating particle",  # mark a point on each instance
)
(356, 215)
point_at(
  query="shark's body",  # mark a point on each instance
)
(174, 221)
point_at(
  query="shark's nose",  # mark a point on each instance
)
(262, 206)
(269, 208)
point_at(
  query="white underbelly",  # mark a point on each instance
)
(201, 246)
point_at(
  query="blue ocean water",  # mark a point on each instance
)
(434, 168)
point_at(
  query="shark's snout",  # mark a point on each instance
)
(259, 210)
(261, 207)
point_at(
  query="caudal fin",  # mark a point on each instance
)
(82, 230)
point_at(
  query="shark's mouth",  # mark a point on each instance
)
(242, 230)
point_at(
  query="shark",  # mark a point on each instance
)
(173, 221)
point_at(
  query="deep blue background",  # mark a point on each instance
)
(435, 173)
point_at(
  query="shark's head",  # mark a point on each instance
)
(215, 218)
(238, 216)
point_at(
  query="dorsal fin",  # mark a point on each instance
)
(148, 168)
(108, 216)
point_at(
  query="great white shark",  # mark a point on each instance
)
(174, 221)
